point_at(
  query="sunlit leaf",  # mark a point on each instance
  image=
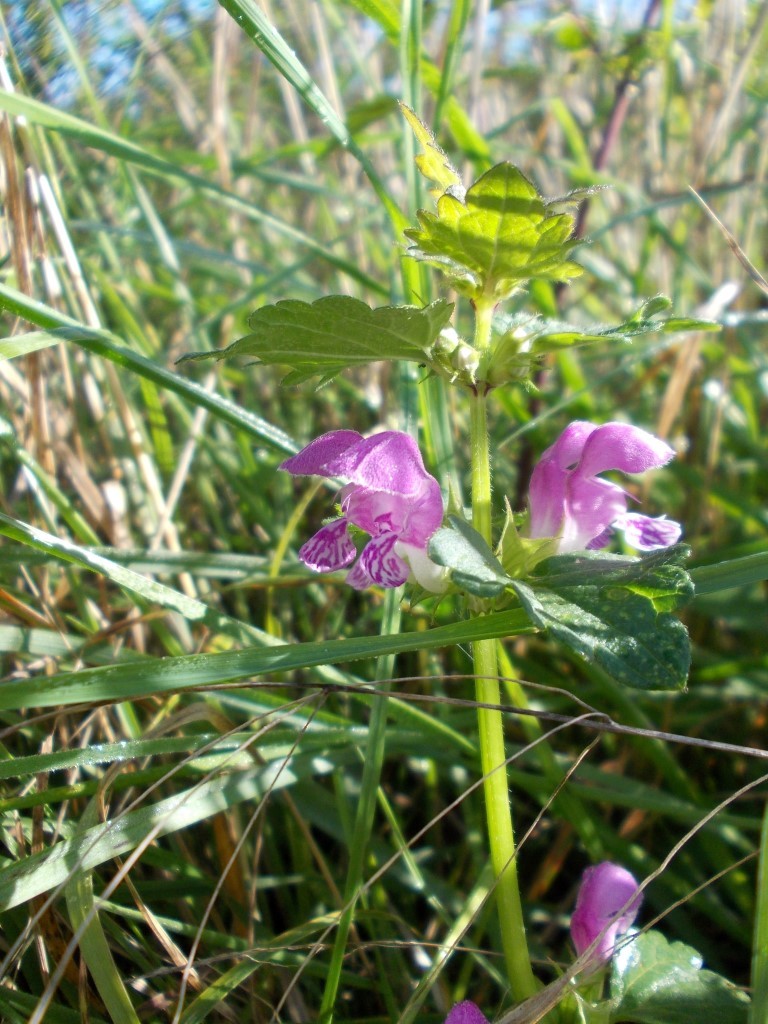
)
(502, 235)
(473, 565)
(433, 162)
(521, 340)
(654, 981)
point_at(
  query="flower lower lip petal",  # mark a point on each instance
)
(331, 548)
(646, 533)
(382, 564)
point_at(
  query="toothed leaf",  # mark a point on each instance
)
(499, 236)
(433, 162)
(335, 333)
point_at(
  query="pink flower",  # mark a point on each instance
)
(607, 904)
(389, 494)
(466, 1013)
(568, 500)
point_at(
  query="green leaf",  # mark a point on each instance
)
(499, 237)
(473, 565)
(335, 333)
(654, 981)
(520, 340)
(616, 612)
(433, 162)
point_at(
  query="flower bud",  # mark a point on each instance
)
(607, 904)
(466, 1013)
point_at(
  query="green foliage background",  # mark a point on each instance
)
(167, 171)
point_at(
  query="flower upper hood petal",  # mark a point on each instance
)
(313, 460)
(623, 447)
(466, 1013)
(389, 462)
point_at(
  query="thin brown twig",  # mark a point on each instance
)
(733, 245)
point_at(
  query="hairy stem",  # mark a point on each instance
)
(490, 723)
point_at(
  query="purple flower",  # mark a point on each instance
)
(607, 904)
(568, 500)
(389, 494)
(466, 1013)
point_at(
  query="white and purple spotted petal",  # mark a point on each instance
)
(331, 548)
(388, 494)
(646, 533)
(380, 563)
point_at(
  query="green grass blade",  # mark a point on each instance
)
(106, 344)
(366, 807)
(199, 1010)
(40, 873)
(737, 572)
(758, 1011)
(107, 142)
(138, 586)
(93, 942)
(263, 33)
(168, 675)
(23, 344)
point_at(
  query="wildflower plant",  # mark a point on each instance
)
(488, 241)
(210, 586)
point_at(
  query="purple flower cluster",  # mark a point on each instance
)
(389, 495)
